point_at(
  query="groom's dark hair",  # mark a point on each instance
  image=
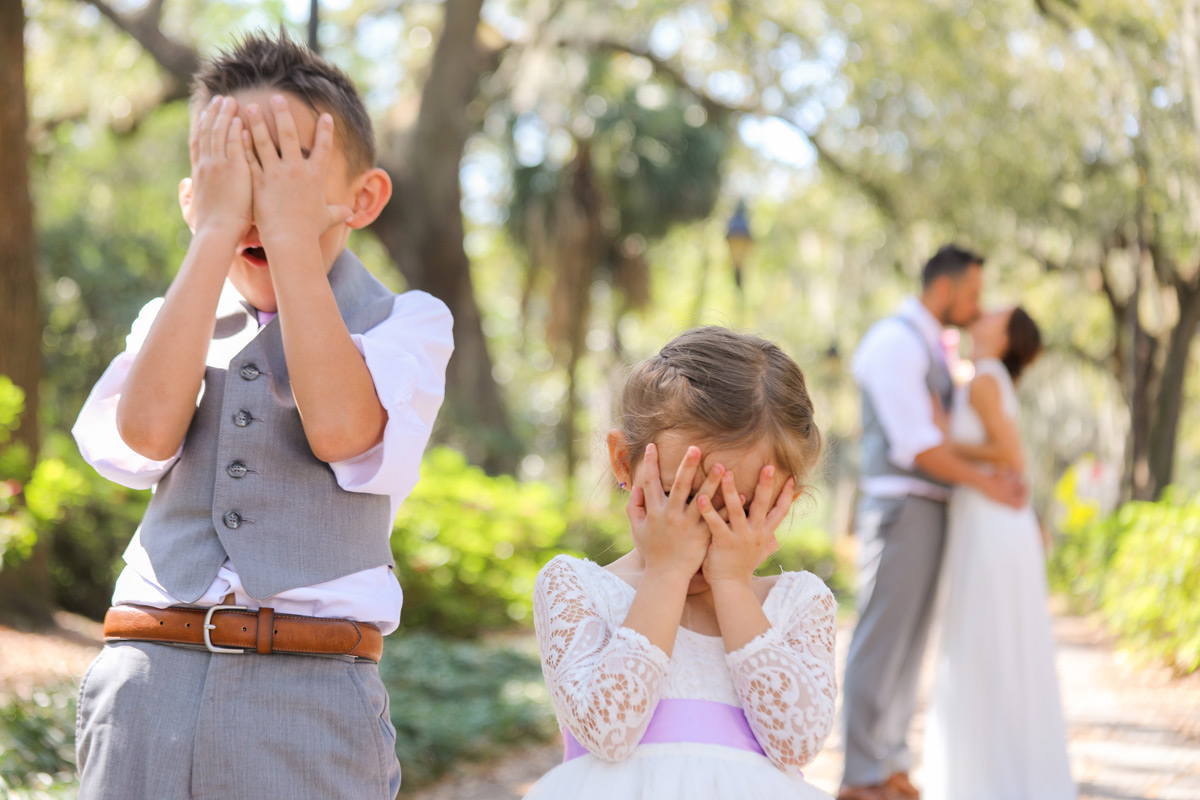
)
(950, 260)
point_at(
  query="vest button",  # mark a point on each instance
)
(237, 470)
(232, 520)
(242, 418)
(249, 372)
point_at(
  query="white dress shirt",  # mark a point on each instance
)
(891, 365)
(406, 355)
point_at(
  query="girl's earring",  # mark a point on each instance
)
(622, 484)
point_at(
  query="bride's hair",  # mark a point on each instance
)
(731, 390)
(1024, 342)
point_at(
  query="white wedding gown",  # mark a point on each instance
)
(995, 728)
(606, 680)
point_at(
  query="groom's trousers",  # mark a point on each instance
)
(900, 557)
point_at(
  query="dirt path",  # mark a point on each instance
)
(60, 655)
(1134, 732)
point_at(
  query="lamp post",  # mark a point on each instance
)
(737, 236)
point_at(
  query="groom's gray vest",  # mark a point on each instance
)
(247, 485)
(874, 452)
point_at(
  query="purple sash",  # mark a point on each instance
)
(695, 721)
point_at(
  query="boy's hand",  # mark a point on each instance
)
(289, 189)
(220, 191)
(668, 530)
(741, 544)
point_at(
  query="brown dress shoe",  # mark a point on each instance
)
(879, 791)
(901, 785)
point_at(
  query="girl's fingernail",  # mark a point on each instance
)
(728, 478)
(769, 471)
(718, 470)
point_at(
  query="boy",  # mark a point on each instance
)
(279, 398)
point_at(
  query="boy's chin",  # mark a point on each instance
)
(254, 284)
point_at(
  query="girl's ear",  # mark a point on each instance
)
(185, 201)
(618, 456)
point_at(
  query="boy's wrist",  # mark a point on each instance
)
(218, 238)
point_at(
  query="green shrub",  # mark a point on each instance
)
(457, 701)
(804, 546)
(1140, 567)
(37, 745)
(468, 546)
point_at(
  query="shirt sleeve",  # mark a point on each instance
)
(95, 430)
(604, 682)
(785, 677)
(406, 355)
(890, 367)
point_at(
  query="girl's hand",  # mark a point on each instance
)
(668, 530)
(741, 544)
(220, 181)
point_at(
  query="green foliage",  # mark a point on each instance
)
(468, 546)
(455, 702)
(87, 518)
(37, 745)
(35, 498)
(1140, 567)
(809, 547)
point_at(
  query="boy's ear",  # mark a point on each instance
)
(185, 202)
(618, 456)
(372, 191)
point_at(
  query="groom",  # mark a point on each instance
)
(908, 469)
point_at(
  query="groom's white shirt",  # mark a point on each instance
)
(890, 365)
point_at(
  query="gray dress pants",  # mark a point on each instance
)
(901, 541)
(161, 722)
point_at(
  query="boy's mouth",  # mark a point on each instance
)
(257, 256)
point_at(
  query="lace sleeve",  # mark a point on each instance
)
(604, 683)
(785, 677)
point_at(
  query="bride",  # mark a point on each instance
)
(995, 723)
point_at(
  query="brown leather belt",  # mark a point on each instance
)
(233, 629)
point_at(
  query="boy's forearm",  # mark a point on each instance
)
(159, 397)
(333, 388)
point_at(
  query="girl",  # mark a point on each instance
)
(674, 671)
(995, 724)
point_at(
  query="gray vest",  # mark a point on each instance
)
(874, 452)
(247, 485)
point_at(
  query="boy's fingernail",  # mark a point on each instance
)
(278, 101)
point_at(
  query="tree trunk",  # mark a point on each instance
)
(422, 230)
(25, 588)
(1168, 400)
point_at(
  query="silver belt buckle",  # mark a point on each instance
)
(208, 626)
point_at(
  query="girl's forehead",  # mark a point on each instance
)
(749, 457)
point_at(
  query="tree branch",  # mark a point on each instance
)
(720, 110)
(178, 59)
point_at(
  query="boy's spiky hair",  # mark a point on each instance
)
(262, 61)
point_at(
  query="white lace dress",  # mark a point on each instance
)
(606, 680)
(995, 724)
